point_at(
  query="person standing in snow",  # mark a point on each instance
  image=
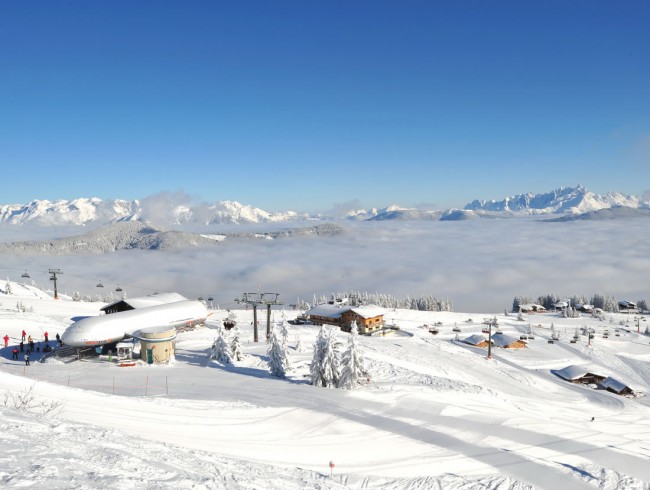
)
(15, 353)
(27, 358)
(24, 335)
(46, 335)
(22, 347)
(58, 339)
(6, 339)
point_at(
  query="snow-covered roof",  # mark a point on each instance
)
(329, 311)
(614, 385)
(369, 311)
(502, 340)
(475, 339)
(531, 306)
(151, 300)
(576, 371)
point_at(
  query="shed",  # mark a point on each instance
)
(616, 386)
(579, 374)
(124, 350)
(157, 345)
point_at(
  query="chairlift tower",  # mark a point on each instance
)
(53, 273)
(490, 322)
(256, 299)
(269, 299)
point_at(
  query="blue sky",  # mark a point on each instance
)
(309, 104)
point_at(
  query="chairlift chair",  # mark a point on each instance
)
(25, 275)
(100, 285)
(118, 289)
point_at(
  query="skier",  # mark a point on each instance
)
(22, 347)
(46, 335)
(27, 358)
(15, 353)
(6, 339)
(24, 335)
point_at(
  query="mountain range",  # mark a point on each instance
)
(569, 202)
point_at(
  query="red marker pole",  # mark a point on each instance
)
(331, 468)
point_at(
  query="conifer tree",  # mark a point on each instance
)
(278, 356)
(325, 365)
(353, 364)
(220, 348)
(236, 353)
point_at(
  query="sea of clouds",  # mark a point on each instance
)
(479, 265)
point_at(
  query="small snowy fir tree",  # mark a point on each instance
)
(284, 332)
(325, 365)
(8, 287)
(299, 347)
(235, 345)
(220, 348)
(353, 370)
(520, 316)
(76, 296)
(278, 356)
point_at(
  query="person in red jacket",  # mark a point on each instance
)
(24, 335)
(6, 339)
(46, 335)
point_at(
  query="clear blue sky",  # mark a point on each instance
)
(304, 104)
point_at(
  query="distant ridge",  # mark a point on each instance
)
(137, 235)
(572, 200)
(164, 212)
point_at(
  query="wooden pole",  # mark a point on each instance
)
(268, 321)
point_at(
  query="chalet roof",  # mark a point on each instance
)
(532, 306)
(369, 311)
(328, 311)
(614, 385)
(503, 340)
(577, 371)
(475, 339)
(151, 300)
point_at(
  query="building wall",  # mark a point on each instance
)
(364, 324)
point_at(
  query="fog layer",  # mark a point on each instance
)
(479, 265)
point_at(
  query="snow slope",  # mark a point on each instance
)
(435, 412)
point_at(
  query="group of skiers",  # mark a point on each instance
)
(27, 345)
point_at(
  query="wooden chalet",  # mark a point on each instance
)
(477, 340)
(368, 318)
(532, 308)
(616, 386)
(508, 341)
(579, 374)
(325, 315)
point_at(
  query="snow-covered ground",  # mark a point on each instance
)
(434, 413)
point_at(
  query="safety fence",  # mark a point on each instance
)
(135, 384)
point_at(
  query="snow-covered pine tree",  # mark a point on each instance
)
(8, 287)
(299, 347)
(284, 332)
(220, 348)
(278, 356)
(325, 365)
(353, 364)
(235, 345)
